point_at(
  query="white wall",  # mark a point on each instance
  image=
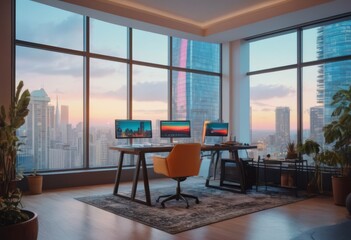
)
(236, 89)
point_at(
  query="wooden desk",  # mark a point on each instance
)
(141, 163)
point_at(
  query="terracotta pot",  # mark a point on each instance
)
(341, 188)
(291, 156)
(35, 184)
(27, 230)
(284, 179)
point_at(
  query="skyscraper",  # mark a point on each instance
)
(64, 124)
(195, 96)
(333, 40)
(37, 127)
(64, 114)
(282, 126)
(316, 124)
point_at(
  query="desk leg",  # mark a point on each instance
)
(212, 167)
(119, 172)
(136, 176)
(146, 181)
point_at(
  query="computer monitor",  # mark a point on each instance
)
(216, 129)
(175, 129)
(133, 129)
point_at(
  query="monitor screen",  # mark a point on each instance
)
(133, 128)
(216, 129)
(175, 129)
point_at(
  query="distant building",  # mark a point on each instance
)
(316, 124)
(37, 128)
(282, 126)
(333, 40)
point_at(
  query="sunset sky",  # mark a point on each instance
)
(61, 75)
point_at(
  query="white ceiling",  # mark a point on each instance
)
(207, 20)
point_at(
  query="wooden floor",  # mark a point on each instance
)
(61, 217)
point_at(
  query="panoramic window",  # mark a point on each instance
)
(107, 102)
(150, 97)
(273, 52)
(108, 39)
(53, 132)
(196, 97)
(78, 95)
(150, 47)
(273, 111)
(319, 82)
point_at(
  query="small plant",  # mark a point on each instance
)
(10, 121)
(291, 150)
(313, 149)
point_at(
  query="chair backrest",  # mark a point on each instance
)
(184, 160)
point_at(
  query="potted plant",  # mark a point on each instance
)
(35, 183)
(14, 221)
(291, 150)
(313, 149)
(338, 133)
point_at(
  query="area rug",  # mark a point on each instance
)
(215, 206)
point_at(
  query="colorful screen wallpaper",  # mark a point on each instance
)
(175, 129)
(217, 129)
(133, 128)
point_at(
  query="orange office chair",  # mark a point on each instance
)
(182, 162)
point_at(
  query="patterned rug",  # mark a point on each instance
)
(215, 206)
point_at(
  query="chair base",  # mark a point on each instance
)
(178, 196)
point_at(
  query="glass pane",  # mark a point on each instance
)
(332, 40)
(108, 101)
(273, 101)
(196, 55)
(195, 97)
(273, 52)
(108, 39)
(320, 83)
(41, 23)
(150, 47)
(53, 132)
(150, 98)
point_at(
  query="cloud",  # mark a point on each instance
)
(47, 62)
(150, 91)
(262, 92)
(67, 33)
(147, 91)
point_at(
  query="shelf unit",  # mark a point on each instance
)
(288, 170)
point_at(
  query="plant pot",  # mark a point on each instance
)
(35, 184)
(284, 179)
(341, 188)
(27, 230)
(291, 156)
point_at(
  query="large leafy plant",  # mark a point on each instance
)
(11, 119)
(338, 132)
